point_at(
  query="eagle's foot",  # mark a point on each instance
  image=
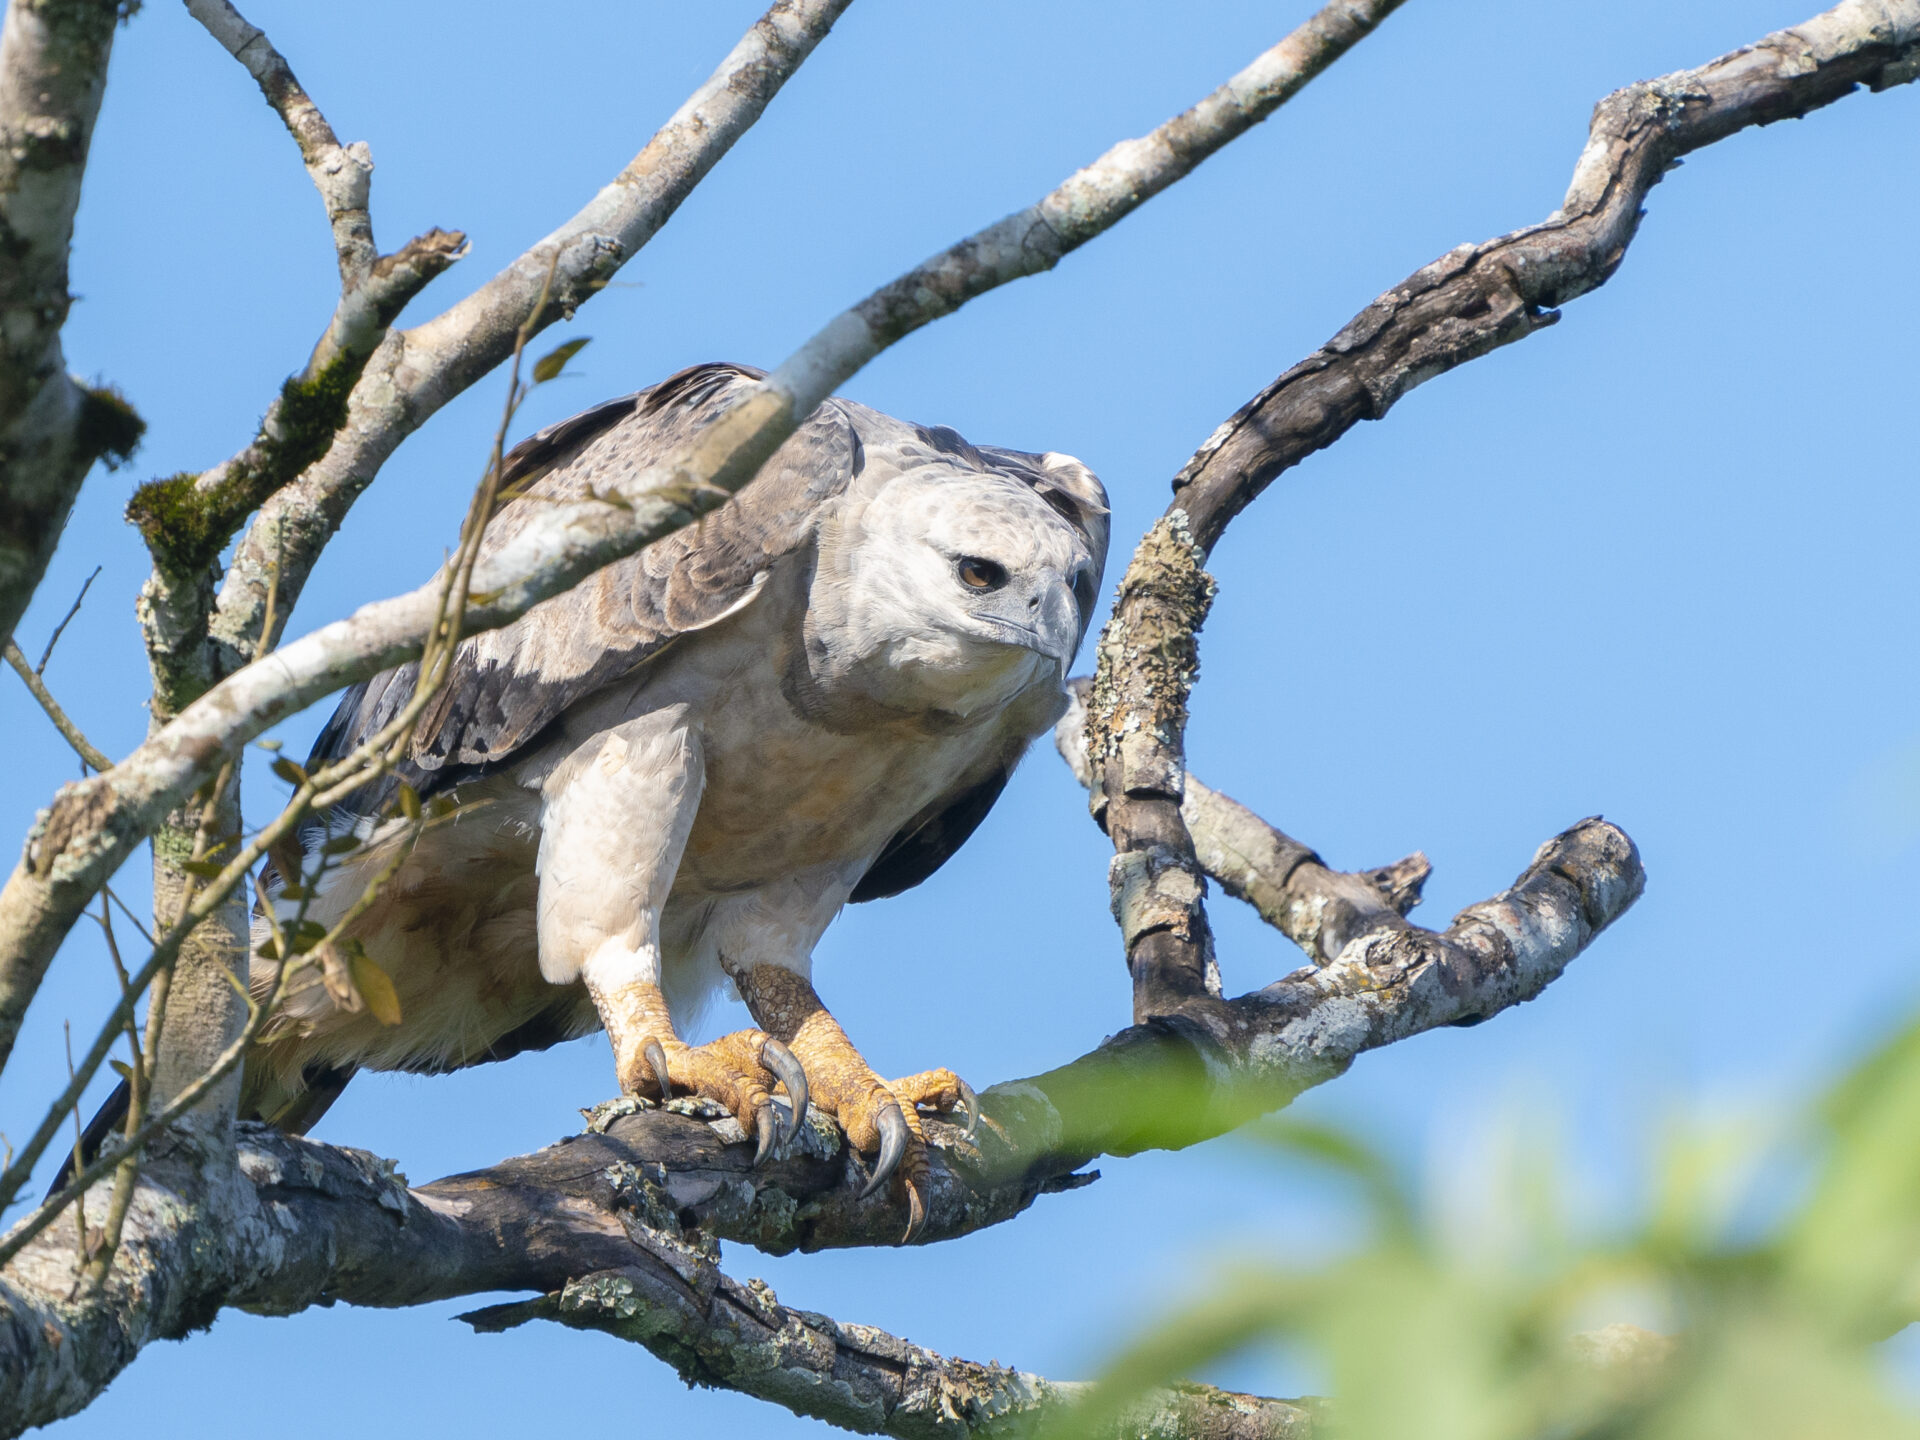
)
(879, 1117)
(740, 1071)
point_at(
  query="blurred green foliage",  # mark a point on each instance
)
(1767, 1331)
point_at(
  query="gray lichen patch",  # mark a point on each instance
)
(1149, 658)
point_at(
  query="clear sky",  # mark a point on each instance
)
(1657, 562)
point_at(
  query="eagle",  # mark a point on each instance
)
(668, 780)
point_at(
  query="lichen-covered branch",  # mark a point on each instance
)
(188, 519)
(92, 827)
(1469, 302)
(1318, 908)
(302, 1223)
(53, 71)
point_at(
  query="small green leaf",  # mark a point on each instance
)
(376, 988)
(205, 869)
(122, 1069)
(270, 746)
(409, 801)
(289, 772)
(549, 365)
(341, 845)
(296, 892)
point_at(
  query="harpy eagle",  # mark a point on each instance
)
(673, 776)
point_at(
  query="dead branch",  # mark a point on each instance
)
(628, 1210)
(53, 70)
(1471, 301)
(343, 174)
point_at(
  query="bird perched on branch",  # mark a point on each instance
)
(673, 776)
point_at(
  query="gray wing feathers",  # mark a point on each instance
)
(508, 685)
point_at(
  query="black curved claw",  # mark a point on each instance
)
(781, 1062)
(657, 1061)
(970, 1103)
(894, 1137)
(916, 1212)
(766, 1124)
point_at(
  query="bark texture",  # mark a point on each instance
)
(53, 71)
(1320, 909)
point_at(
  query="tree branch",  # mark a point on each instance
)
(53, 71)
(92, 827)
(629, 1208)
(187, 519)
(1469, 302)
(417, 371)
(343, 174)
(62, 722)
(1320, 909)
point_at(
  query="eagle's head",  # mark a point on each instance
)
(967, 577)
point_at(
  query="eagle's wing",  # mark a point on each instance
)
(507, 686)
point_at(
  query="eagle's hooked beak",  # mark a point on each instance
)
(1043, 617)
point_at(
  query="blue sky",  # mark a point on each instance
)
(1656, 562)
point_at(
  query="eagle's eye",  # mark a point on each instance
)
(978, 574)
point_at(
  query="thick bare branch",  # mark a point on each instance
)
(90, 829)
(617, 1225)
(318, 1224)
(53, 71)
(307, 1224)
(1477, 298)
(1469, 302)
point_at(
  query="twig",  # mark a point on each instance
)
(66, 619)
(62, 722)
